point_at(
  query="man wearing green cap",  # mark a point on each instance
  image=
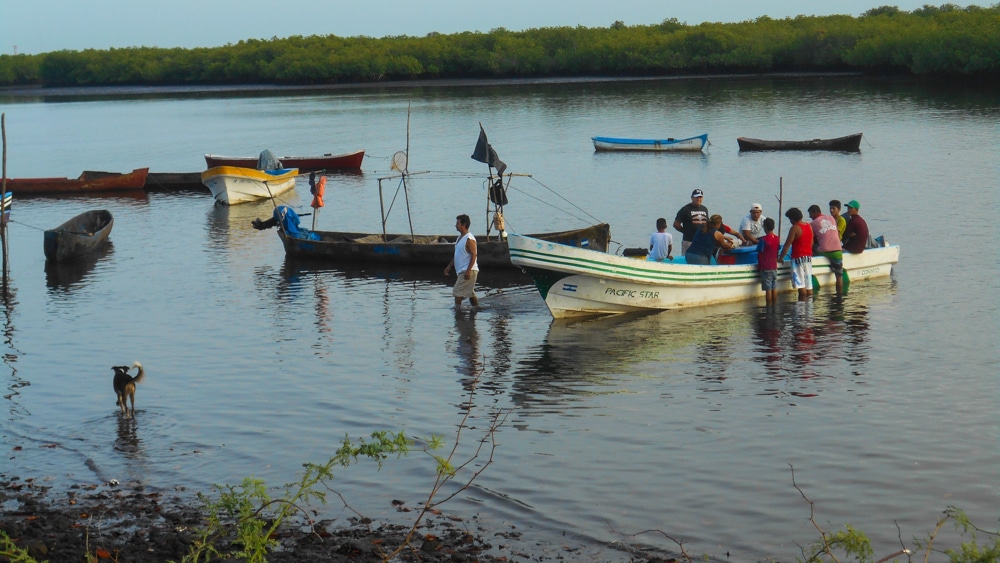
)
(856, 233)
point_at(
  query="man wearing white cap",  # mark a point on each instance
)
(689, 218)
(752, 225)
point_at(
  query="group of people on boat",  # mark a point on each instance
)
(704, 237)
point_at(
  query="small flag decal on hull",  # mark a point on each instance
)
(570, 287)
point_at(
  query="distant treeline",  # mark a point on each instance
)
(943, 40)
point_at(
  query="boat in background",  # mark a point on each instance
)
(414, 249)
(88, 182)
(691, 144)
(231, 185)
(79, 236)
(346, 161)
(850, 143)
(576, 282)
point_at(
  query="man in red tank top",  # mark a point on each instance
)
(800, 240)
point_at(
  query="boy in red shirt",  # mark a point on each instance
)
(767, 262)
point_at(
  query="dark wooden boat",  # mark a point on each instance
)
(80, 236)
(418, 250)
(337, 248)
(850, 143)
(347, 161)
(88, 182)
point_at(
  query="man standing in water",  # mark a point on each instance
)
(465, 263)
(826, 241)
(800, 242)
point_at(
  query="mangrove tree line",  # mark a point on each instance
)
(945, 40)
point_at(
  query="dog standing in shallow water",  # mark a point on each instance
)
(125, 386)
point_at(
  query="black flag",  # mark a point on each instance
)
(484, 153)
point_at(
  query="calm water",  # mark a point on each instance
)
(685, 422)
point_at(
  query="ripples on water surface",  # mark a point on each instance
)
(686, 422)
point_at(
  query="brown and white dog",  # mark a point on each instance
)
(125, 386)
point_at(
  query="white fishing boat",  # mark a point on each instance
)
(579, 282)
(232, 184)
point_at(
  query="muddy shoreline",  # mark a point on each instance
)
(128, 523)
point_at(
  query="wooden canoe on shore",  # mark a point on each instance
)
(850, 143)
(88, 182)
(347, 161)
(79, 236)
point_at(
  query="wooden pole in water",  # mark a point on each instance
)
(781, 196)
(406, 172)
(3, 193)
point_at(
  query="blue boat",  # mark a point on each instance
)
(690, 144)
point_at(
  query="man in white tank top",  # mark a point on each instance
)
(465, 263)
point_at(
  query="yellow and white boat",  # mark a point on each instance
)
(231, 184)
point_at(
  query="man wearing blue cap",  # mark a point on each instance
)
(856, 233)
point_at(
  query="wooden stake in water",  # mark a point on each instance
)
(3, 199)
(781, 196)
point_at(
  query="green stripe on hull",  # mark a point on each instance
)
(544, 279)
(639, 273)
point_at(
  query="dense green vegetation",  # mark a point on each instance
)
(942, 40)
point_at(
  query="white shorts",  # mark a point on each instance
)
(802, 269)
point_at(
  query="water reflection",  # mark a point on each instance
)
(790, 349)
(66, 277)
(582, 357)
(10, 356)
(127, 439)
(422, 275)
(229, 226)
(802, 343)
(470, 360)
(134, 198)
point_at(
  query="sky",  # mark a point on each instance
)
(41, 26)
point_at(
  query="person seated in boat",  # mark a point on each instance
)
(752, 226)
(736, 234)
(856, 233)
(661, 243)
(707, 240)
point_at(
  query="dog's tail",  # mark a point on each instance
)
(139, 376)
